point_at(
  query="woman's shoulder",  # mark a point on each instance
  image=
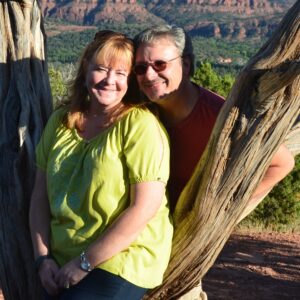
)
(58, 114)
(140, 114)
(141, 121)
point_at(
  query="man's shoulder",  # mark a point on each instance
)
(210, 99)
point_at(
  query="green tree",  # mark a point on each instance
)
(57, 84)
(208, 78)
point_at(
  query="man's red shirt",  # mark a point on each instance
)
(188, 140)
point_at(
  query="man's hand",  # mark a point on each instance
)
(47, 272)
(70, 274)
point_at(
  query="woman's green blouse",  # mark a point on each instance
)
(88, 186)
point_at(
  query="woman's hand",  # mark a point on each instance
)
(47, 272)
(70, 274)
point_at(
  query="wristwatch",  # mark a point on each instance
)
(84, 263)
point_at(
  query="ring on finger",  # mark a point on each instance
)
(66, 285)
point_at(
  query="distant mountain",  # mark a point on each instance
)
(92, 12)
(210, 18)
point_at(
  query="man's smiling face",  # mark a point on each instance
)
(157, 85)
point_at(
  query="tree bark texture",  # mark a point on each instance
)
(259, 114)
(25, 104)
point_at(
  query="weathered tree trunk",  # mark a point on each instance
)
(292, 140)
(25, 104)
(258, 115)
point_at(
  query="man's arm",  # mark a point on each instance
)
(282, 163)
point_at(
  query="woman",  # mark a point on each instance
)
(99, 218)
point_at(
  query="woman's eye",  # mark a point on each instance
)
(121, 73)
(101, 69)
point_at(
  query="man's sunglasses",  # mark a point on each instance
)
(158, 66)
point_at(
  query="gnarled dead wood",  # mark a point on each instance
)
(25, 104)
(292, 140)
(258, 115)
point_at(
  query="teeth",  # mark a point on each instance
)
(153, 83)
(105, 90)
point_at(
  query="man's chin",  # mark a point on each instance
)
(159, 98)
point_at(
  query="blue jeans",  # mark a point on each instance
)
(101, 285)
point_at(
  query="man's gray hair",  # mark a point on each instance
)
(181, 40)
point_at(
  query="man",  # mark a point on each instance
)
(163, 65)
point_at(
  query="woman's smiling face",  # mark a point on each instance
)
(107, 83)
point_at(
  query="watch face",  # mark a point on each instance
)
(85, 265)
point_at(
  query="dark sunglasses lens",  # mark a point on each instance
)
(140, 69)
(159, 65)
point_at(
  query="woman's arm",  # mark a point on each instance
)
(146, 199)
(39, 220)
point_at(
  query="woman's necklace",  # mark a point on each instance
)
(99, 120)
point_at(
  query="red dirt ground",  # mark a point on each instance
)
(256, 266)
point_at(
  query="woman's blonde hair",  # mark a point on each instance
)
(108, 48)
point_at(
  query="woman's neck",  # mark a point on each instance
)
(96, 121)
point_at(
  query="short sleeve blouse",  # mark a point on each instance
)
(88, 188)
